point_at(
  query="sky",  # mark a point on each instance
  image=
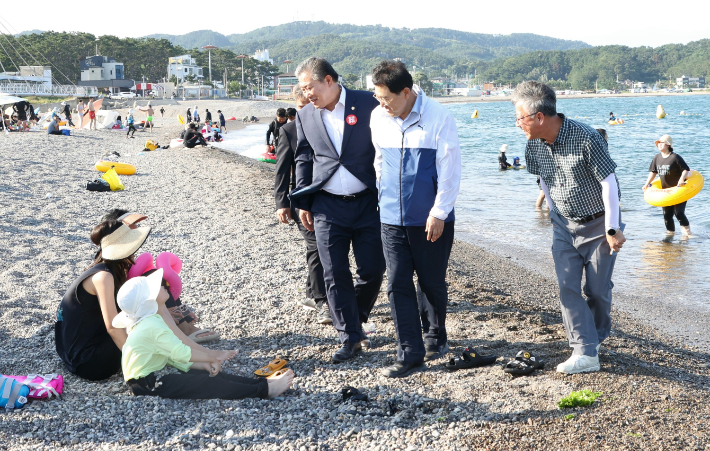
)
(651, 23)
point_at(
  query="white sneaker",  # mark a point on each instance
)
(579, 364)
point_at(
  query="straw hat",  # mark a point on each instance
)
(123, 242)
(665, 139)
(504, 148)
(132, 219)
(137, 300)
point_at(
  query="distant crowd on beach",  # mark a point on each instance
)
(379, 175)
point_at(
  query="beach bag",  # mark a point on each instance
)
(151, 145)
(112, 178)
(98, 185)
(13, 394)
(42, 386)
(66, 132)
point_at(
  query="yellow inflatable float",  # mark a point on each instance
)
(660, 112)
(121, 168)
(659, 197)
(617, 122)
(181, 119)
(475, 114)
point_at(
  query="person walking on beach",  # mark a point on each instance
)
(195, 117)
(149, 117)
(222, 122)
(273, 129)
(188, 117)
(415, 139)
(80, 112)
(336, 193)
(577, 175)
(285, 181)
(131, 126)
(672, 169)
(92, 113)
(162, 111)
(67, 114)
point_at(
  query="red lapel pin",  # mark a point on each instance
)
(351, 120)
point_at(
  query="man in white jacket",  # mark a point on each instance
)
(418, 166)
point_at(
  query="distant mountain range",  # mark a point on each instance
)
(353, 48)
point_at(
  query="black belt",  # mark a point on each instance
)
(347, 197)
(590, 218)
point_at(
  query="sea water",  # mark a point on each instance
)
(496, 209)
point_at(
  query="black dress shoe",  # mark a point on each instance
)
(434, 352)
(347, 352)
(403, 369)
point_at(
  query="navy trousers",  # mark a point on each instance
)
(338, 225)
(407, 250)
(315, 286)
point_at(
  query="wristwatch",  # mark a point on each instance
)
(612, 232)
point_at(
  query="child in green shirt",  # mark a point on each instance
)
(151, 345)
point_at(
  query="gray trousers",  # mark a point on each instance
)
(579, 249)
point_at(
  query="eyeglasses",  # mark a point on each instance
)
(382, 99)
(519, 119)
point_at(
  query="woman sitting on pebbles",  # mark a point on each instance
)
(86, 340)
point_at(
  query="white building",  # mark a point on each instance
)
(685, 81)
(466, 92)
(101, 68)
(182, 66)
(263, 55)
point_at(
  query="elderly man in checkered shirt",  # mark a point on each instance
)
(577, 177)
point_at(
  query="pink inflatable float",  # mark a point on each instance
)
(168, 262)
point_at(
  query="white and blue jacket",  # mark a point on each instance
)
(418, 163)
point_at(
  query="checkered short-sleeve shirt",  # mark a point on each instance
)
(572, 168)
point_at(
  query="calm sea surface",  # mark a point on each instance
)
(496, 209)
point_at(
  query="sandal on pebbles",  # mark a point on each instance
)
(524, 364)
(470, 358)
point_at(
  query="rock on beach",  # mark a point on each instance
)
(244, 273)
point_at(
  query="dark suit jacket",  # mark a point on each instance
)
(285, 164)
(316, 157)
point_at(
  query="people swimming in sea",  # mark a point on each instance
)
(502, 161)
(612, 117)
(516, 163)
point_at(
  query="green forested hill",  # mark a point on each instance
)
(580, 69)
(448, 43)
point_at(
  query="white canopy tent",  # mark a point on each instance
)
(6, 99)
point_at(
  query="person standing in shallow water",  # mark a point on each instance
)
(577, 176)
(672, 169)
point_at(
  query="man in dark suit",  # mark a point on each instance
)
(337, 194)
(286, 181)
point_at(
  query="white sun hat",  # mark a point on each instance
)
(137, 300)
(504, 148)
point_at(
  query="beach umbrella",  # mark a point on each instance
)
(6, 99)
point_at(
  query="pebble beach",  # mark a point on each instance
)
(244, 272)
